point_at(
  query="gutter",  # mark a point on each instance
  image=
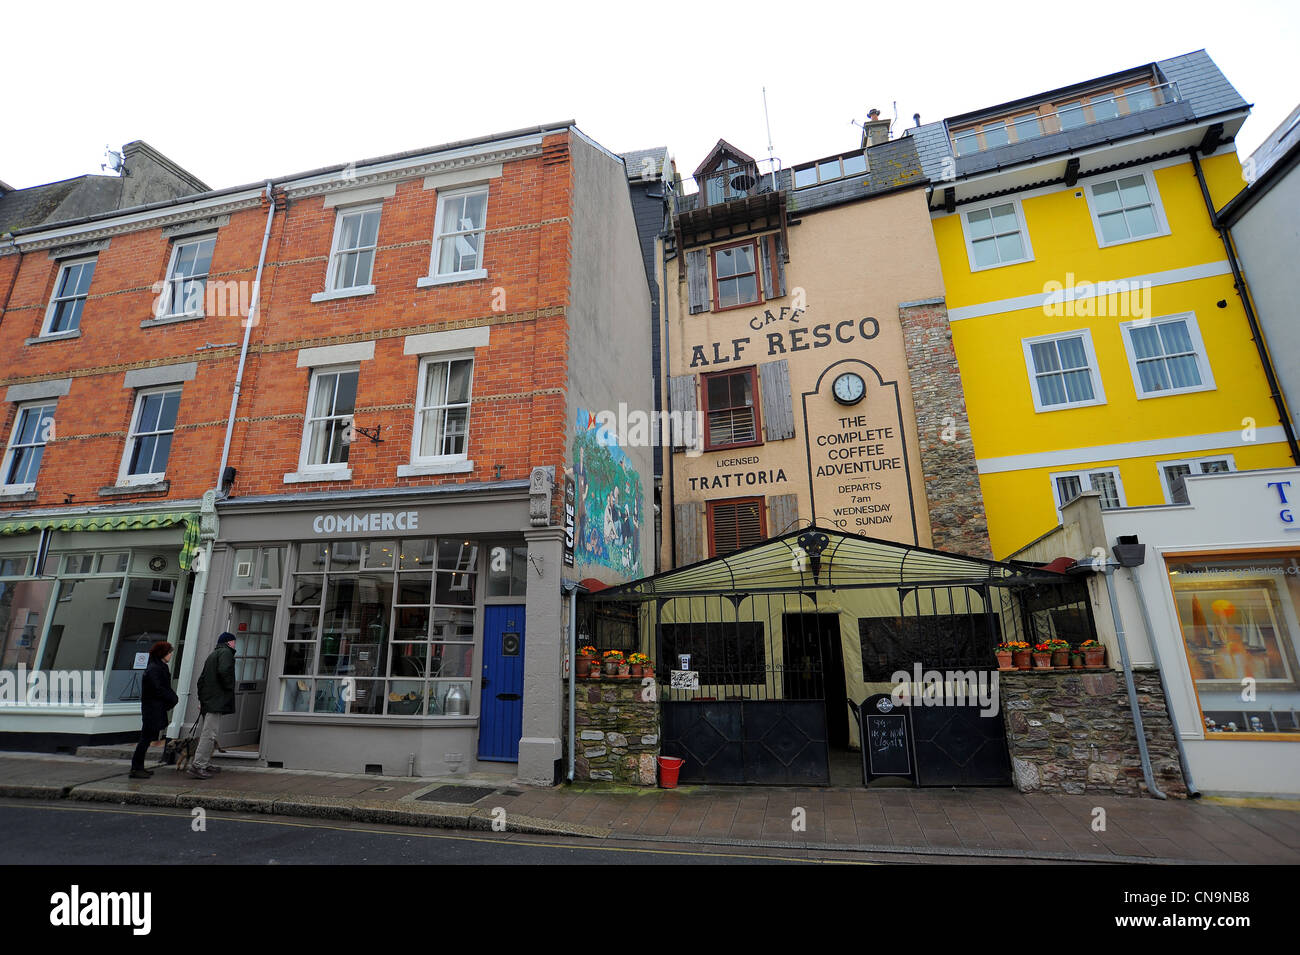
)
(1243, 292)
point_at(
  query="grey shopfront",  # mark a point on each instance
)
(410, 632)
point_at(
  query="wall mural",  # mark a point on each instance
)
(607, 496)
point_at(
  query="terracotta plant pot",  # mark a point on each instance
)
(1042, 661)
(635, 670)
(1021, 659)
(1061, 659)
(1094, 658)
(624, 669)
(593, 669)
(584, 665)
(1004, 659)
(1076, 661)
(611, 668)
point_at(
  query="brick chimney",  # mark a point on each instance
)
(874, 130)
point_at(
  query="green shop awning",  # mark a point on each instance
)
(114, 522)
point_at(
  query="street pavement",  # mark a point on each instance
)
(933, 823)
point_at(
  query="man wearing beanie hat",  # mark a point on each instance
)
(216, 699)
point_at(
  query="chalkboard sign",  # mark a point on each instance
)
(886, 741)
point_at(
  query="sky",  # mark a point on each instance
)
(239, 91)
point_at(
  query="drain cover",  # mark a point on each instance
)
(463, 795)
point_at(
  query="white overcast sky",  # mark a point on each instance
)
(242, 91)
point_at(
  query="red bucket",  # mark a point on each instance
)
(669, 767)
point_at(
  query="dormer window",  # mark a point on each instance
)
(726, 174)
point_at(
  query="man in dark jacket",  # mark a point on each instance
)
(216, 699)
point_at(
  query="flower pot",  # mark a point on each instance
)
(1021, 659)
(635, 670)
(1042, 661)
(584, 665)
(1094, 658)
(624, 669)
(1004, 660)
(611, 668)
(1061, 658)
(1076, 661)
(647, 673)
(593, 669)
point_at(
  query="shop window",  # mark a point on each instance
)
(1105, 481)
(352, 259)
(330, 406)
(507, 571)
(1167, 356)
(1238, 617)
(33, 427)
(724, 654)
(996, 236)
(735, 524)
(1126, 209)
(442, 410)
(381, 627)
(458, 234)
(1063, 371)
(256, 568)
(730, 410)
(1172, 473)
(71, 289)
(187, 275)
(149, 441)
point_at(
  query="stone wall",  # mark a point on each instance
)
(1072, 732)
(618, 733)
(952, 485)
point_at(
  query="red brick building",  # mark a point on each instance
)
(431, 335)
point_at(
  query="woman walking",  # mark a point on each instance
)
(156, 699)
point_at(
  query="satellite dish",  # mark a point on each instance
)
(114, 162)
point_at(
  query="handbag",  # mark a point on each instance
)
(179, 752)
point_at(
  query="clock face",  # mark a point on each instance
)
(157, 564)
(849, 388)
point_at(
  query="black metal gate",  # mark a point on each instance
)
(777, 742)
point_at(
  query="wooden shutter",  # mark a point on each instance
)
(697, 279)
(773, 284)
(682, 403)
(735, 524)
(688, 534)
(785, 511)
(778, 404)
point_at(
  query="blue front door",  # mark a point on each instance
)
(502, 703)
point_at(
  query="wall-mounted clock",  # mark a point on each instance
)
(849, 388)
(157, 564)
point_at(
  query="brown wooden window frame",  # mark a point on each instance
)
(752, 372)
(762, 521)
(757, 273)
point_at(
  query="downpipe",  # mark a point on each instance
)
(571, 588)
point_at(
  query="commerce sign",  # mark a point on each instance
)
(372, 522)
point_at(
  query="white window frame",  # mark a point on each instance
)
(168, 296)
(1196, 464)
(10, 447)
(1193, 332)
(988, 207)
(55, 298)
(1098, 393)
(332, 288)
(125, 479)
(1157, 207)
(1085, 484)
(339, 469)
(440, 462)
(444, 196)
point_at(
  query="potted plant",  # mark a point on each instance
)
(1019, 654)
(1060, 652)
(612, 660)
(586, 656)
(637, 662)
(1042, 656)
(1094, 655)
(1076, 660)
(1003, 652)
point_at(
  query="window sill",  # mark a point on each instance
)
(343, 293)
(125, 490)
(19, 493)
(54, 337)
(999, 265)
(370, 719)
(427, 281)
(170, 320)
(1048, 409)
(732, 308)
(1173, 392)
(733, 447)
(305, 477)
(441, 467)
(1102, 244)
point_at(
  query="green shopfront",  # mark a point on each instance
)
(82, 598)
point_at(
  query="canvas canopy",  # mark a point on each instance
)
(114, 522)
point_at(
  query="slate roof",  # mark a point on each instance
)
(1203, 92)
(1278, 143)
(636, 161)
(58, 201)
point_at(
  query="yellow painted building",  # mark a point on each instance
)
(1101, 342)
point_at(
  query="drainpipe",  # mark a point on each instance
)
(571, 587)
(248, 331)
(665, 358)
(1239, 282)
(185, 679)
(1192, 791)
(1108, 567)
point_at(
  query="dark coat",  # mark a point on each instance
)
(156, 697)
(217, 681)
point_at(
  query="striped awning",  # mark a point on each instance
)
(114, 522)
